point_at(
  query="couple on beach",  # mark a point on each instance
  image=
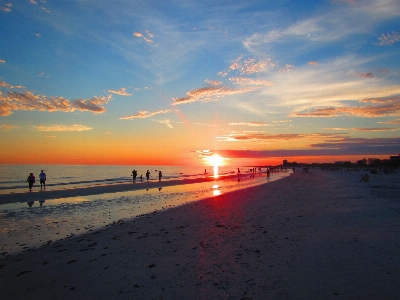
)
(31, 180)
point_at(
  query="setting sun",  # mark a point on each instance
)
(215, 160)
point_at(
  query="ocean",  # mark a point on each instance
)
(30, 224)
(13, 177)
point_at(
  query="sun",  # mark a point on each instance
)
(215, 160)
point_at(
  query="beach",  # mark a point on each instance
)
(316, 235)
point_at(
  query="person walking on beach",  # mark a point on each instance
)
(159, 175)
(147, 175)
(31, 181)
(42, 177)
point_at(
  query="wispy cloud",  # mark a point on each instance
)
(146, 39)
(394, 122)
(377, 129)
(74, 127)
(256, 124)
(246, 66)
(11, 101)
(365, 75)
(145, 114)
(386, 106)
(166, 122)
(250, 81)
(7, 127)
(6, 7)
(208, 94)
(261, 136)
(388, 39)
(121, 92)
(2, 61)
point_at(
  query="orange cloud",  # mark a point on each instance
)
(27, 100)
(250, 124)
(2, 61)
(394, 122)
(249, 81)
(74, 127)
(386, 106)
(6, 127)
(246, 67)
(207, 94)
(243, 136)
(313, 63)
(146, 114)
(121, 92)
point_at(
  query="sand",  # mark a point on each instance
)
(316, 235)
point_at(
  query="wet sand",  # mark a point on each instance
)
(316, 235)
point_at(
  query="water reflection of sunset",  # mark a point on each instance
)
(216, 190)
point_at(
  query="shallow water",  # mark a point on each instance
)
(30, 225)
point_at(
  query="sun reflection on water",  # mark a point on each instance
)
(216, 190)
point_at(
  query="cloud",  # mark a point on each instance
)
(250, 81)
(250, 124)
(378, 129)
(6, 8)
(146, 114)
(246, 67)
(146, 39)
(261, 136)
(213, 82)
(7, 127)
(166, 122)
(74, 127)
(208, 94)
(359, 143)
(121, 92)
(26, 100)
(313, 63)
(388, 39)
(386, 106)
(345, 146)
(2, 61)
(365, 75)
(394, 122)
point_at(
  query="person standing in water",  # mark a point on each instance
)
(159, 175)
(42, 177)
(147, 175)
(31, 181)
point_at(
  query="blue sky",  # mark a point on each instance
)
(253, 79)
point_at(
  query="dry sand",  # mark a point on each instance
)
(317, 235)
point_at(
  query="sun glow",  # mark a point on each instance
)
(215, 160)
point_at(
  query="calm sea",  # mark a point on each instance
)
(26, 225)
(13, 177)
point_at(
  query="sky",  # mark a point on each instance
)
(172, 82)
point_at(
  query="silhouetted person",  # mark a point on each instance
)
(42, 177)
(31, 181)
(141, 178)
(159, 175)
(30, 203)
(147, 175)
(134, 175)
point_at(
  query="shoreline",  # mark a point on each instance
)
(37, 194)
(316, 235)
